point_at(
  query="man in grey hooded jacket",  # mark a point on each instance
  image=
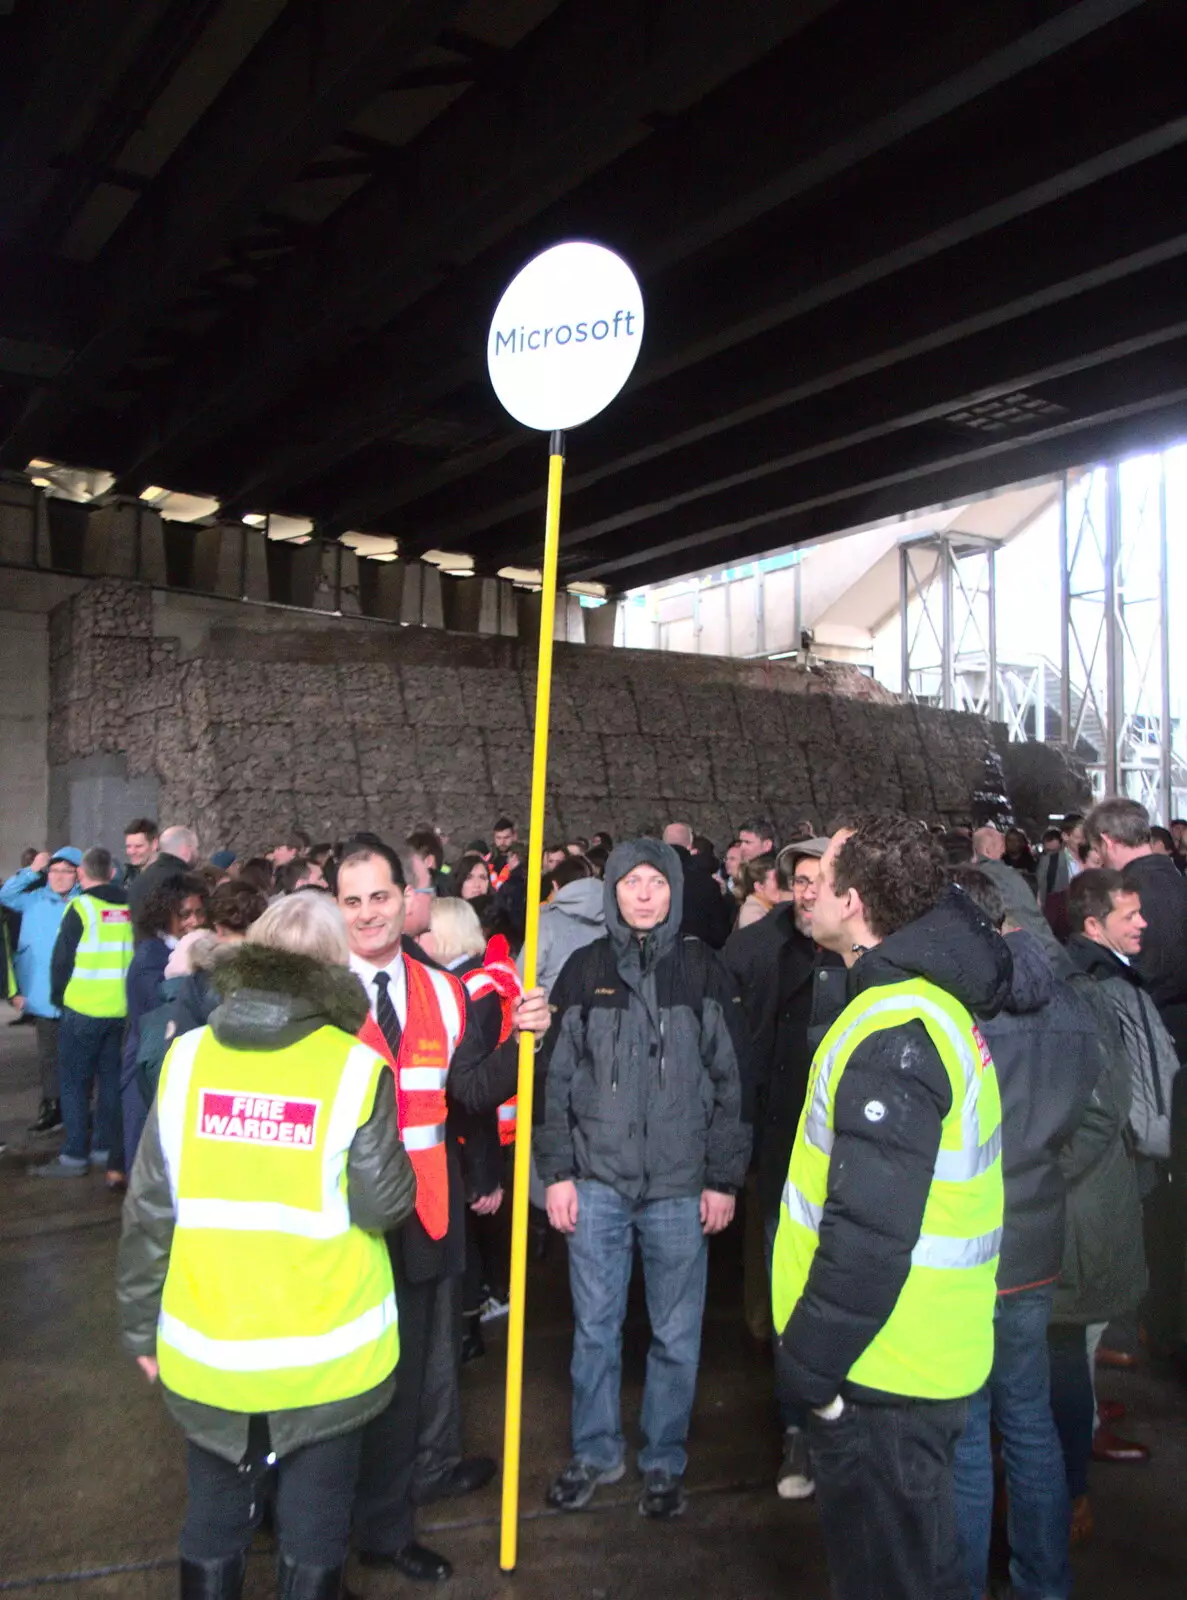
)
(641, 1135)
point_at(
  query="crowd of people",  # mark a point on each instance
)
(935, 1069)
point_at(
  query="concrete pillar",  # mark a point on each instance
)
(125, 540)
(599, 623)
(568, 619)
(381, 588)
(479, 605)
(420, 600)
(218, 559)
(23, 527)
(255, 563)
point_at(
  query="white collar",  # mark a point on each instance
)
(398, 988)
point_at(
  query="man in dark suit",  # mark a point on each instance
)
(707, 913)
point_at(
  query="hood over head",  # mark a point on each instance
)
(623, 858)
(954, 946)
(1033, 980)
(272, 998)
(582, 900)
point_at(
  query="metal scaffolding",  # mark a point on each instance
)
(949, 646)
(1110, 700)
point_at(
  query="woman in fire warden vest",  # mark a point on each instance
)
(253, 1275)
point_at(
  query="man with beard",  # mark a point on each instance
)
(791, 991)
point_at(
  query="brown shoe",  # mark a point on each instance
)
(1120, 1359)
(1081, 1530)
(1110, 1411)
(1109, 1446)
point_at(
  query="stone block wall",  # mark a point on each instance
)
(358, 725)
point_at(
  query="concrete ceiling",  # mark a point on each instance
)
(894, 255)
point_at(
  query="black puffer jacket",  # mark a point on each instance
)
(271, 999)
(880, 1171)
(1047, 1054)
(641, 1085)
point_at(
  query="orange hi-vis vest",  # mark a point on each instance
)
(433, 1027)
(498, 975)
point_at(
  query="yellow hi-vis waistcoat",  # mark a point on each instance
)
(273, 1298)
(938, 1342)
(101, 962)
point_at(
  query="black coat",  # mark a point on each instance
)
(880, 1172)
(1047, 1054)
(792, 992)
(707, 912)
(1162, 960)
(165, 866)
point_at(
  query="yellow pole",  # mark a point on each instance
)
(509, 1541)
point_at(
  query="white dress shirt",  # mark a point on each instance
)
(397, 988)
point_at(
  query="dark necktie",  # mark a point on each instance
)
(385, 1014)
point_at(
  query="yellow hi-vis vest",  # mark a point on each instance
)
(101, 962)
(937, 1343)
(273, 1298)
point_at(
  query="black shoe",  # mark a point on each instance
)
(414, 1561)
(473, 1344)
(213, 1580)
(49, 1117)
(663, 1495)
(295, 1581)
(23, 1021)
(471, 1474)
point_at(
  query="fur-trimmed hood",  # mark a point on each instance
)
(273, 998)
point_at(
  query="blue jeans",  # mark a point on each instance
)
(1018, 1397)
(89, 1057)
(675, 1256)
(793, 1413)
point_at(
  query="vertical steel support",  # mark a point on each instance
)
(1166, 727)
(1114, 644)
(904, 600)
(947, 664)
(760, 611)
(994, 698)
(1065, 625)
(696, 617)
(797, 611)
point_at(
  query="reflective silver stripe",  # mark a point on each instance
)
(818, 1133)
(452, 1014)
(962, 1166)
(508, 1113)
(263, 1216)
(412, 1078)
(800, 1209)
(171, 1101)
(425, 1137)
(936, 1250)
(270, 1355)
(91, 974)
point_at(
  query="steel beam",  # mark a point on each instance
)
(1143, 424)
(308, 76)
(1114, 643)
(680, 192)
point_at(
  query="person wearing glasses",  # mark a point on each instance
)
(791, 991)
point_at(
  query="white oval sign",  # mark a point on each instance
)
(565, 335)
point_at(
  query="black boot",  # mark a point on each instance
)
(473, 1344)
(295, 1581)
(213, 1580)
(49, 1117)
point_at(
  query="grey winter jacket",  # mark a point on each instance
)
(572, 918)
(271, 999)
(1047, 1053)
(1153, 1059)
(1104, 1263)
(641, 1083)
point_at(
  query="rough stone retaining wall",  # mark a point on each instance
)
(352, 726)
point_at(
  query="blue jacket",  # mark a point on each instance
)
(41, 910)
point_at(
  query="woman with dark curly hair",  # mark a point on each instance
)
(171, 909)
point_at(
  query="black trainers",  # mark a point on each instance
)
(795, 1470)
(49, 1117)
(575, 1487)
(663, 1494)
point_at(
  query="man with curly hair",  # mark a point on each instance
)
(884, 1267)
